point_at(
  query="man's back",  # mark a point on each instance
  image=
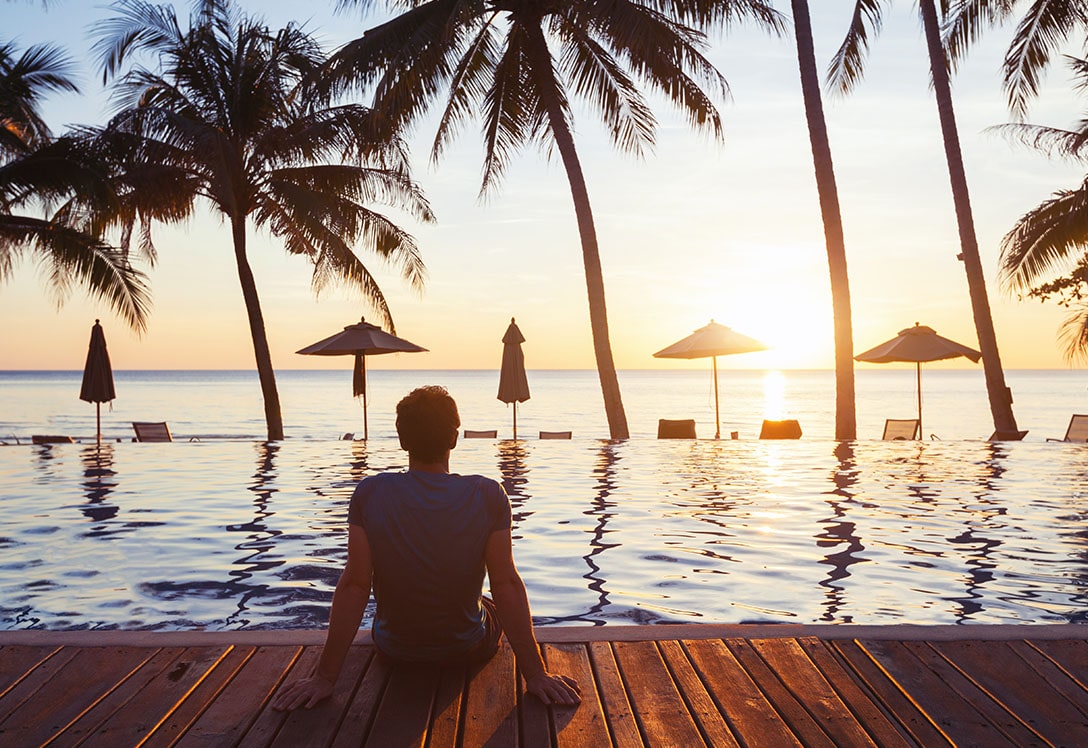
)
(427, 533)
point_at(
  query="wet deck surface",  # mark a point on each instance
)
(747, 691)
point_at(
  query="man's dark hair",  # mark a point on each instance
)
(427, 422)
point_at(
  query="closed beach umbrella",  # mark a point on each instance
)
(513, 384)
(360, 340)
(710, 342)
(97, 384)
(917, 344)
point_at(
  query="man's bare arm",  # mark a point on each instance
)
(348, 605)
(512, 601)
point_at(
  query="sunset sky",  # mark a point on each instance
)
(696, 231)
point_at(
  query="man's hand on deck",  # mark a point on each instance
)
(554, 689)
(305, 692)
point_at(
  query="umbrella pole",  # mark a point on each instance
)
(366, 431)
(717, 417)
(918, 368)
(98, 421)
(515, 420)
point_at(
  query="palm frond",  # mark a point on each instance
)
(1073, 335)
(848, 64)
(1045, 240)
(965, 21)
(1042, 30)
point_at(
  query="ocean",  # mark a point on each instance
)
(319, 404)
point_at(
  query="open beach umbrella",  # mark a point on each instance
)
(97, 384)
(360, 340)
(710, 342)
(513, 385)
(918, 344)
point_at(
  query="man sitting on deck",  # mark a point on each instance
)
(424, 538)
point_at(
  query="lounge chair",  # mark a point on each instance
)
(679, 429)
(492, 434)
(152, 431)
(896, 429)
(51, 439)
(786, 429)
(1077, 431)
(555, 435)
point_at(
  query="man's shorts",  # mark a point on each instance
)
(480, 652)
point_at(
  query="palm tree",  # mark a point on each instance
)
(845, 72)
(520, 62)
(845, 413)
(56, 179)
(1045, 254)
(227, 112)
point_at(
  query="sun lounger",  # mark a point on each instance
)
(152, 431)
(492, 434)
(555, 435)
(1008, 436)
(51, 439)
(786, 429)
(676, 429)
(1077, 431)
(896, 429)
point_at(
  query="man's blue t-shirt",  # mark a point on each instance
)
(427, 533)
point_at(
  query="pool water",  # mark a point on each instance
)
(248, 535)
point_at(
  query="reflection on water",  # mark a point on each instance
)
(252, 535)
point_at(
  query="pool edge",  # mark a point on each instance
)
(563, 634)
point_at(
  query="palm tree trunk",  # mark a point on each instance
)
(1000, 395)
(845, 412)
(265, 373)
(540, 61)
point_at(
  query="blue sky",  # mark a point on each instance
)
(695, 231)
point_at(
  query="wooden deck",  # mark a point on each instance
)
(963, 687)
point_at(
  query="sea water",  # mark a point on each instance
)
(231, 532)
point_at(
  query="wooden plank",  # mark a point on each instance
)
(107, 708)
(150, 696)
(614, 702)
(534, 720)
(1071, 655)
(711, 723)
(199, 699)
(1009, 680)
(28, 686)
(404, 714)
(1014, 728)
(939, 691)
(448, 700)
(1057, 676)
(584, 725)
(359, 716)
(319, 724)
(738, 697)
(17, 662)
(793, 713)
(890, 694)
(226, 719)
(809, 686)
(267, 723)
(659, 707)
(84, 680)
(491, 706)
(877, 723)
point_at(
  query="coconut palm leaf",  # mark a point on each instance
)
(1046, 240)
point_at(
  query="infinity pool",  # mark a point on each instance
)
(243, 535)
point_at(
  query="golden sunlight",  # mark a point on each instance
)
(774, 395)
